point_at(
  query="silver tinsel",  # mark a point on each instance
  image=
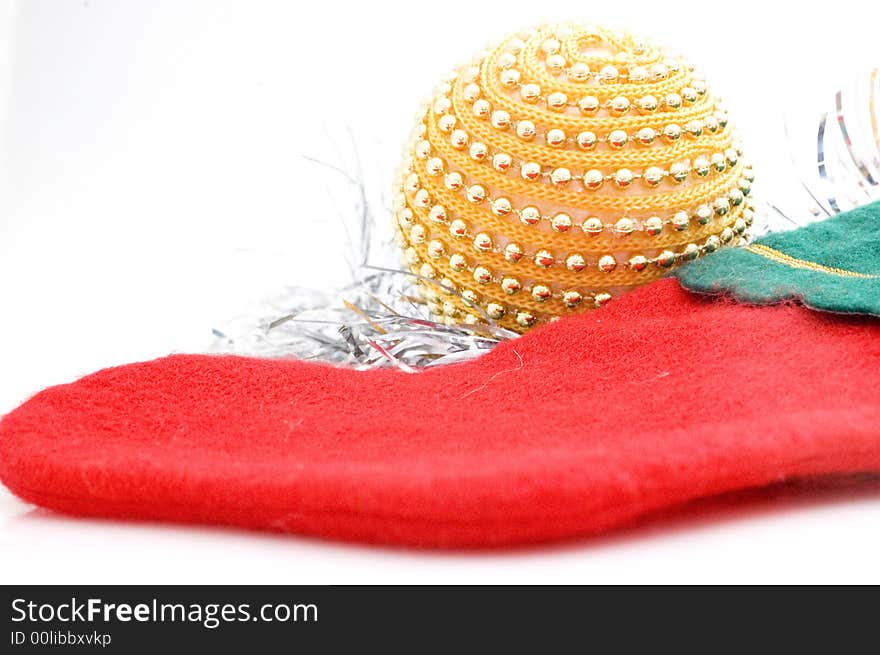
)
(826, 164)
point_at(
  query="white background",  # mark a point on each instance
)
(152, 185)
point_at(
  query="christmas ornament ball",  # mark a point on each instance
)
(559, 169)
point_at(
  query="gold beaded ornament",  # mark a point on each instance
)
(562, 168)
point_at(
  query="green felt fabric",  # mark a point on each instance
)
(849, 241)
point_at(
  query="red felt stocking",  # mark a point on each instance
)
(575, 428)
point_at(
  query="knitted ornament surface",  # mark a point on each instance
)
(561, 168)
(577, 427)
(833, 265)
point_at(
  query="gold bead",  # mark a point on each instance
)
(478, 151)
(525, 130)
(659, 72)
(587, 140)
(422, 199)
(726, 235)
(689, 95)
(703, 214)
(550, 46)
(525, 319)
(458, 228)
(694, 128)
(500, 119)
(470, 297)
(494, 311)
(712, 244)
(555, 137)
(483, 242)
(593, 226)
(672, 100)
(482, 109)
(482, 275)
(530, 171)
(619, 105)
(544, 259)
(721, 206)
(453, 181)
(560, 177)
(638, 263)
(617, 138)
(672, 132)
(510, 285)
(575, 262)
(588, 105)
(476, 193)
(405, 217)
(579, 72)
(739, 226)
(501, 162)
(555, 63)
(442, 105)
(593, 179)
(458, 139)
(501, 206)
(680, 221)
(411, 184)
(623, 178)
(701, 166)
(541, 292)
(471, 92)
(638, 74)
(719, 162)
(513, 252)
(666, 259)
(411, 255)
(678, 172)
(426, 270)
(646, 136)
(510, 78)
(557, 101)
(652, 176)
(423, 149)
(648, 104)
(624, 227)
(732, 156)
(436, 249)
(710, 123)
(506, 60)
(607, 263)
(438, 214)
(654, 225)
(691, 252)
(457, 262)
(530, 215)
(561, 222)
(434, 166)
(601, 299)
(736, 197)
(609, 74)
(530, 92)
(571, 298)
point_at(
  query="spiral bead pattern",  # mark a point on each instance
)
(561, 168)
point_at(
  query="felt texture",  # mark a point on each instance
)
(580, 426)
(848, 242)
